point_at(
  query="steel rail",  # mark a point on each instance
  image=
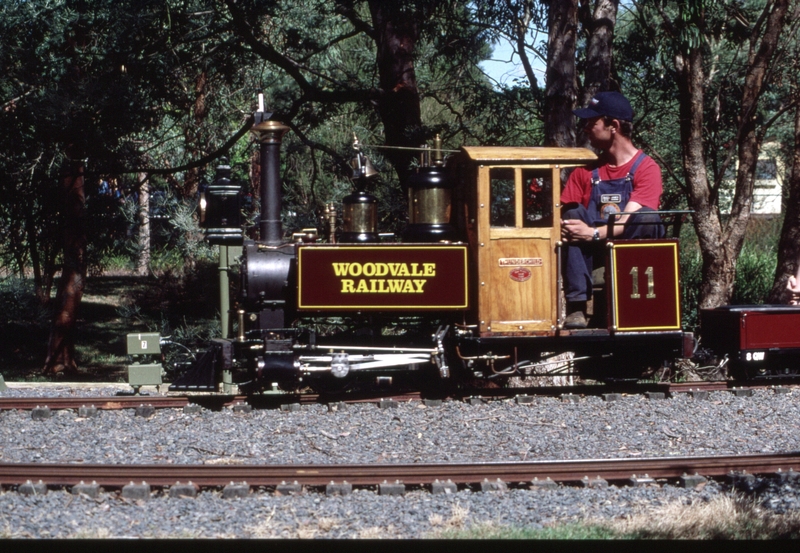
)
(100, 402)
(219, 401)
(212, 401)
(413, 474)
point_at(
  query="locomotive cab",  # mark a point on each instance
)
(514, 230)
(513, 219)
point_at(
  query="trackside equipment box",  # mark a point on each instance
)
(143, 347)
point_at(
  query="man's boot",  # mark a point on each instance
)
(576, 315)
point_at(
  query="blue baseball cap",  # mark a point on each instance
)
(607, 104)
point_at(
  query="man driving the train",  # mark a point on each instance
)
(624, 180)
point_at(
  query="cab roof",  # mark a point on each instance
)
(533, 155)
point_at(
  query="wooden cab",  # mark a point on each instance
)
(513, 222)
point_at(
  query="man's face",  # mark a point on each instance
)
(600, 135)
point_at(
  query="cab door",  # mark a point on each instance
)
(518, 229)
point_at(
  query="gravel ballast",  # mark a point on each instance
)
(546, 429)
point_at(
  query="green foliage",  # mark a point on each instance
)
(146, 84)
(194, 334)
(19, 304)
(647, 39)
(116, 263)
(119, 84)
(176, 238)
(691, 267)
(755, 268)
(179, 304)
(180, 291)
(660, 49)
(106, 224)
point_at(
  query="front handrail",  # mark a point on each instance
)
(676, 222)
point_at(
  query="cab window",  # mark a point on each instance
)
(532, 188)
(538, 192)
(503, 197)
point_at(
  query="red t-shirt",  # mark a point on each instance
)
(647, 185)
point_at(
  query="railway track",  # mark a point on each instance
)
(214, 402)
(274, 400)
(612, 470)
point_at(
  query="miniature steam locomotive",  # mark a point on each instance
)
(470, 290)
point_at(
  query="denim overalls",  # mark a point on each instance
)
(611, 196)
(608, 197)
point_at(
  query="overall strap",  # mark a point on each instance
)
(639, 159)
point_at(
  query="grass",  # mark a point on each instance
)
(729, 517)
(565, 532)
(737, 517)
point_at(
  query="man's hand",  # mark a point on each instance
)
(575, 230)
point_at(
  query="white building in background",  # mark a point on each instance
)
(768, 186)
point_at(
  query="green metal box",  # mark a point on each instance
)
(145, 343)
(144, 375)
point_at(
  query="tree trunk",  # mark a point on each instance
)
(143, 262)
(61, 347)
(718, 253)
(789, 243)
(521, 26)
(560, 92)
(396, 36)
(598, 74)
(16, 245)
(36, 263)
(720, 244)
(195, 144)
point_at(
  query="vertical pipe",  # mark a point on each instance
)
(224, 307)
(270, 135)
(270, 229)
(240, 320)
(224, 291)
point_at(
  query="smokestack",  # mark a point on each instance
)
(270, 134)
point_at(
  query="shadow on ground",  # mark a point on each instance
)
(100, 335)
